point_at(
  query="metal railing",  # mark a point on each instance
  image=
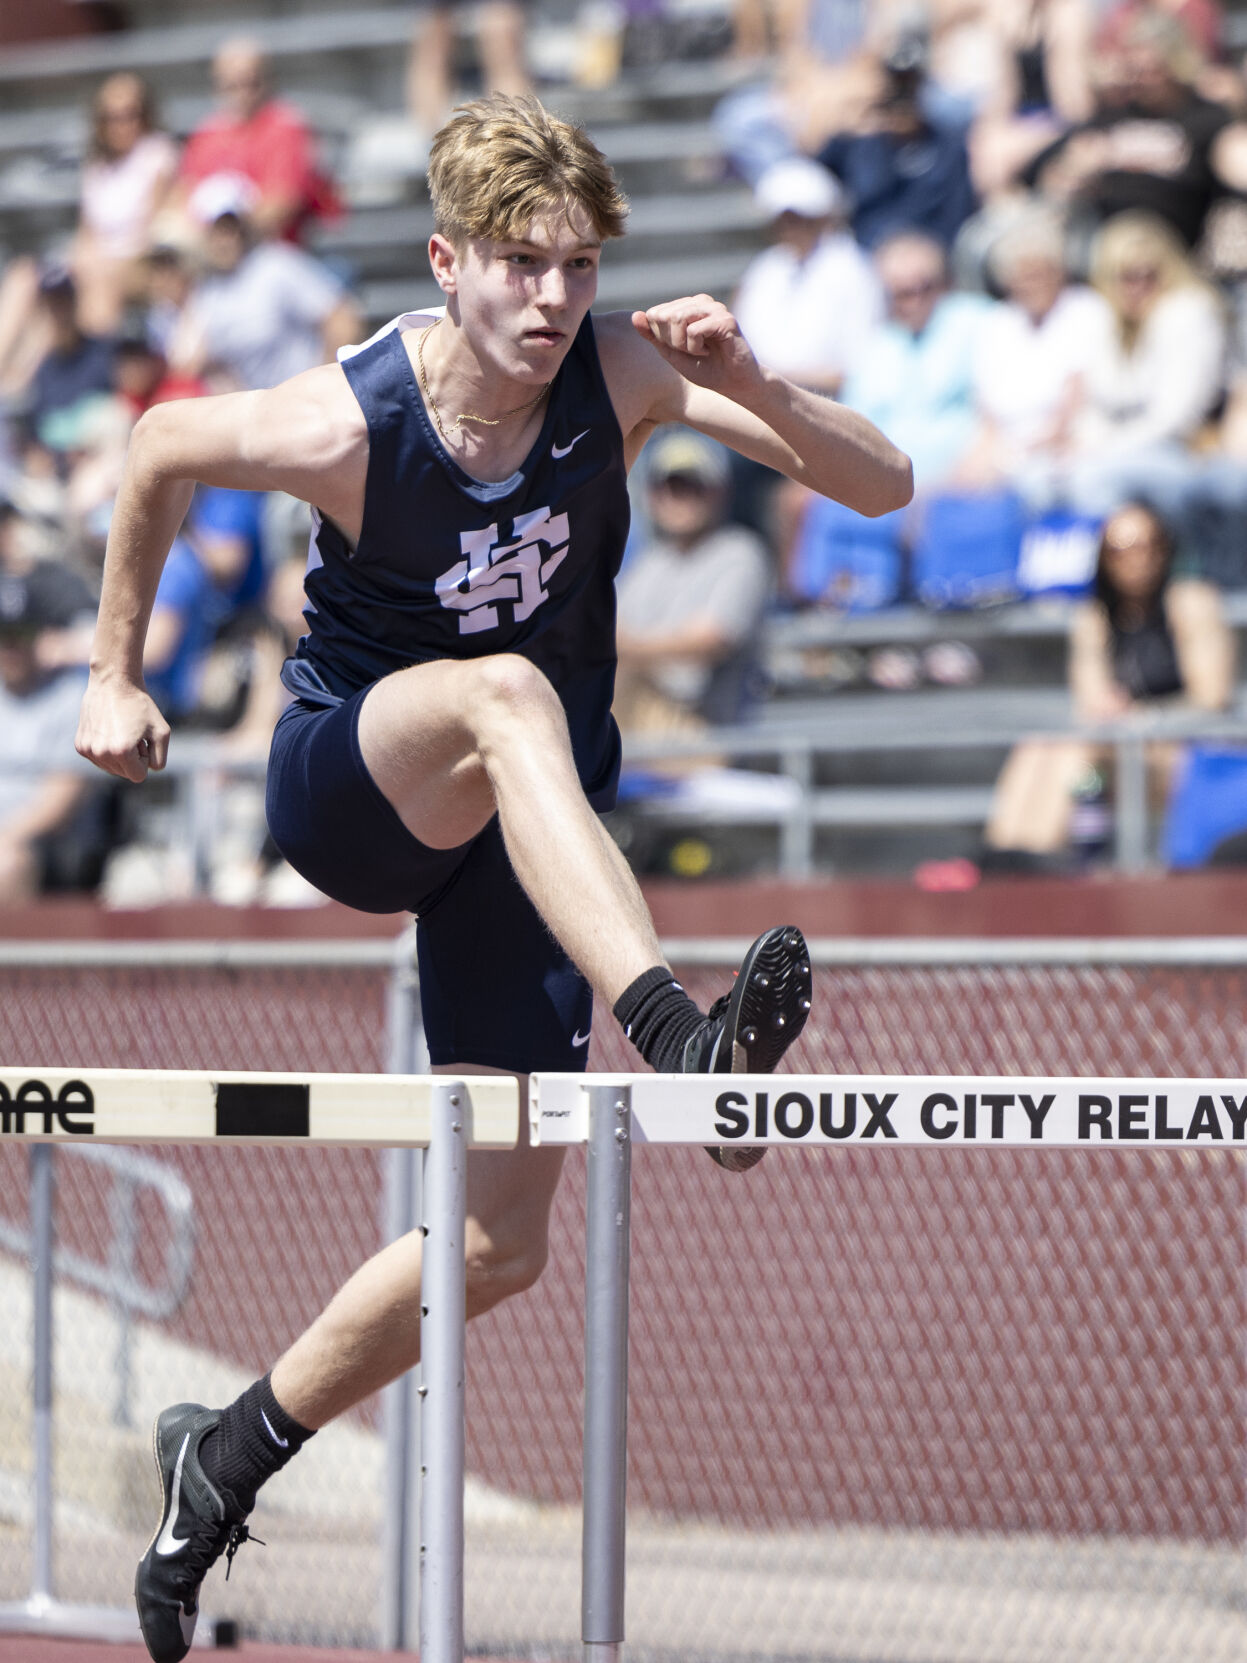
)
(197, 766)
(796, 752)
(117, 1279)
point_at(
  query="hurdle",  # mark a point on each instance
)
(608, 1114)
(440, 1114)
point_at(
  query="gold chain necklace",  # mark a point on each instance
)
(466, 415)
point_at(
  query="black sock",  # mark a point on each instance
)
(254, 1438)
(659, 1018)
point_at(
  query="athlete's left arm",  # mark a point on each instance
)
(687, 361)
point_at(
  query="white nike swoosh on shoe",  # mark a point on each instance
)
(167, 1543)
(581, 1039)
(558, 452)
(282, 1443)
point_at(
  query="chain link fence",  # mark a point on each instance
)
(921, 1406)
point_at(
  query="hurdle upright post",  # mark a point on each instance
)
(607, 1254)
(403, 1212)
(443, 1293)
(42, 1193)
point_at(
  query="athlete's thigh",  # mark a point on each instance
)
(417, 742)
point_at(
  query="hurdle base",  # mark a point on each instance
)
(41, 1615)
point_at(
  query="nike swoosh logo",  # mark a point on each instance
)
(282, 1443)
(167, 1542)
(580, 1039)
(559, 452)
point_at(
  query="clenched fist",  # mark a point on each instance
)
(121, 730)
(702, 339)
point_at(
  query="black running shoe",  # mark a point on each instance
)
(195, 1529)
(748, 1030)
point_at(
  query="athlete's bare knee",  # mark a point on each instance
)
(513, 682)
(514, 695)
(501, 1264)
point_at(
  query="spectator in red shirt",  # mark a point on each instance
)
(267, 141)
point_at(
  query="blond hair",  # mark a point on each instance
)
(499, 163)
(1139, 239)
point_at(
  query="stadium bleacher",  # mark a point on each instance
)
(871, 801)
(691, 227)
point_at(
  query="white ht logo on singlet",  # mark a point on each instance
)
(516, 571)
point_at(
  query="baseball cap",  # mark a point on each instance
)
(220, 194)
(22, 611)
(798, 185)
(48, 596)
(687, 453)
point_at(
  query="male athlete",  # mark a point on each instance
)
(451, 739)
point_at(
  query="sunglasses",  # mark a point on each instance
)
(915, 291)
(1139, 276)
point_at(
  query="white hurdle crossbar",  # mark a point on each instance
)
(608, 1113)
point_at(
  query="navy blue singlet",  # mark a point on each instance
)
(448, 567)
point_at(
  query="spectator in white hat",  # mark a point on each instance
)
(805, 304)
(262, 311)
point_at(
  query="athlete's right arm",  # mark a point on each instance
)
(306, 437)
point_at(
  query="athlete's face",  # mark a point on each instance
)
(520, 303)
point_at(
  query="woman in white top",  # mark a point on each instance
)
(1155, 373)
(125, 183)
(1030, 367)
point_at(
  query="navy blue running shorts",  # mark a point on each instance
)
(495, 986)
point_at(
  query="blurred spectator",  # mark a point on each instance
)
(77, 367)
(279, 626)
(129, 173)
(61, 596)
(1145, 639)
(1202, 22)
(1030, 364)
(226, 530)
(168, 282)
(245, 865)
(1154, 373)
(914, 375)
(180, 633)
(25, 329)
(49, 838)
(805, 304)
(1150, 144)
(142, 377)
(262, 311)
(255, 135)
(499, 28)
(902, 169)
(1041, 85)
(691, 600)
(761, 28)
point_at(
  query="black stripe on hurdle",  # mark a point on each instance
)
(262, 1109)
